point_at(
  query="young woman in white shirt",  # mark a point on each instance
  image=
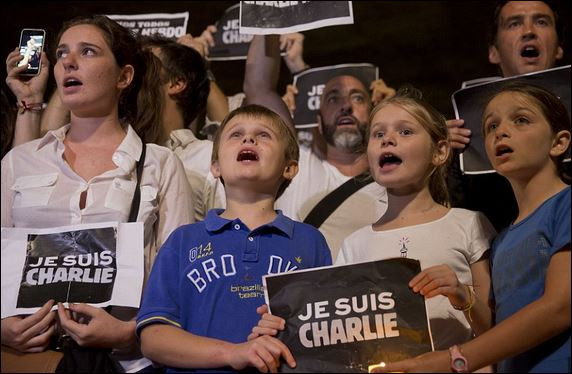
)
(85, 172)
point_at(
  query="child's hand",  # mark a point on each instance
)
(263, 353)
(268, 324)
(440, 280)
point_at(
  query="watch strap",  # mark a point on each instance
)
(459, 362)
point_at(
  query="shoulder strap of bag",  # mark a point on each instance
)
(334, 199)
(136, 200)
(137, 195)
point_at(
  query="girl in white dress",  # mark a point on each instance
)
(408, 152)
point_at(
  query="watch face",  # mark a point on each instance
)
(459, 363)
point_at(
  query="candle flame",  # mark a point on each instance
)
(380, 365)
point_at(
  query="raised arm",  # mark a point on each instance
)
(217, 103)
(30, 96)
(261, 76)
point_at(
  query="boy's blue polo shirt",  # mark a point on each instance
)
(207, 277)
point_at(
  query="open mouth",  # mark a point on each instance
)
(346, 121)
(70, 82)
(247, 155)
(530, 52)
(502, 150)
(389, 159)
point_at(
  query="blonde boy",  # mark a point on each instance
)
(200, 303)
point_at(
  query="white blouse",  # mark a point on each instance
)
(40, 190)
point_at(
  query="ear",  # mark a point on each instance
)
(176, 85)
(290, 170)
(125, 77)
(559, 53)
(494, 57)
(319, 119)
(560, 143)
(441, 152)
(215, 169)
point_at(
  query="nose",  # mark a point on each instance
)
(388, 139)
(347, 107)
(69, 62)
(248, 139)
(502, 131)
(529, 32)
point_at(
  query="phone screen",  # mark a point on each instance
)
(31, 45)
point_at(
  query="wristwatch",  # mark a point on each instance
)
(458, 361)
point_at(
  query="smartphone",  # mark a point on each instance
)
(31, 46)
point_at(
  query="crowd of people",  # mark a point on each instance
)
(126, 123)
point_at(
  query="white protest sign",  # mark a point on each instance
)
(99, 264)
(170, 25)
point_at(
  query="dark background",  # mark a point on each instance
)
(434, 45)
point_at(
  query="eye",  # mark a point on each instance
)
(406, 132)
(265, 135)
(521, 121)
(87, 51)
(235, 134)
(544, 22)
(513, 24)
(377, 134)
(60, 53)
(358, 98)
(491, 126)
(332, 99)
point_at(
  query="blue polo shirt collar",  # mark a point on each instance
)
(214, 222)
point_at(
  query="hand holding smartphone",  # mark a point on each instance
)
(31, 46)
